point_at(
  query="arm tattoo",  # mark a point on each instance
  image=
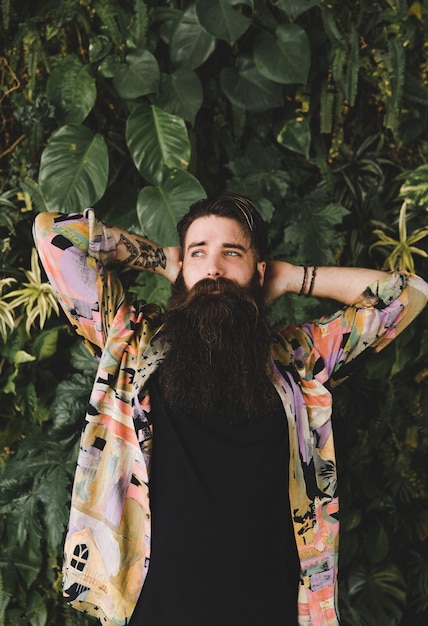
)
(145, 255)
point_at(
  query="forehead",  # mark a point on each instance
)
(213, 229)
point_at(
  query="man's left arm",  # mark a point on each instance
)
(343, 284)
(381, 310)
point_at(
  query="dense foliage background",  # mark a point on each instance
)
(318, 111)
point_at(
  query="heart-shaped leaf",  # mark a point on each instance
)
(190, 44)
(285, 57)
(137, 77)
(159, 208)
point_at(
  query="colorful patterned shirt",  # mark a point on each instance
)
(107, 548)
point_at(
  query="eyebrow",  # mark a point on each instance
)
(233, 246)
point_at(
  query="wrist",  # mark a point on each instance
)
(308, 280)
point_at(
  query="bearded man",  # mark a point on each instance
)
(205, 488)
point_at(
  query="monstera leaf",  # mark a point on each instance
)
(73, 169)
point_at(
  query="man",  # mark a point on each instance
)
(205, 490)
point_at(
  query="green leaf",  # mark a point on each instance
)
(45, 344)
(159, 208)
(377, 546)
(71, 399)
(352, 70)
(137, 30)
(73, 169)
(82, 360)
(19, 357)
(72, 89)
(28, 562)
(180, 94)
(54, 485)
(99, 47)
(397, 72)
(137, 77)
(294, 8)
(190, 44)
(36, 609)
(152, 288)
(157, 141)
(250, 90)
(312, 231)
(286, 57)
(415, 187)
(295, 135)
(109, 65)
(221, 20)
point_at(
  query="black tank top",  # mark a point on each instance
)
(223, 550)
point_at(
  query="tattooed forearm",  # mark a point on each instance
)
(142, 254)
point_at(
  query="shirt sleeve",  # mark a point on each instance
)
(73, 249)
(333, 346)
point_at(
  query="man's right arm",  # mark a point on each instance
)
(111, 244)
(140, 253)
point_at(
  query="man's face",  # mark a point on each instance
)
(218, 247)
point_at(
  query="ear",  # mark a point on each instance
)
(261, 269)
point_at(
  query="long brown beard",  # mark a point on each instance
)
(219, 348)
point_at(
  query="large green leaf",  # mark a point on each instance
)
(159, 208)
(190, 44)
(180, 94)
(221, 20)
(73, 169)
(137, 77)
(158, 142)
(72, 89)
(248, 89)
(285, 57)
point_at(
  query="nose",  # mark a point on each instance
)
(213, 272)
(214, 268)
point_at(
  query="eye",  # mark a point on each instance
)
(197, 253)
(232, 253)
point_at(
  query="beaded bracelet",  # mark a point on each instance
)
(314, 271)
(305, 273)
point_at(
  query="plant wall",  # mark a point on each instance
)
(318, 111)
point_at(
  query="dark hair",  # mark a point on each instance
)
(236, 207)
